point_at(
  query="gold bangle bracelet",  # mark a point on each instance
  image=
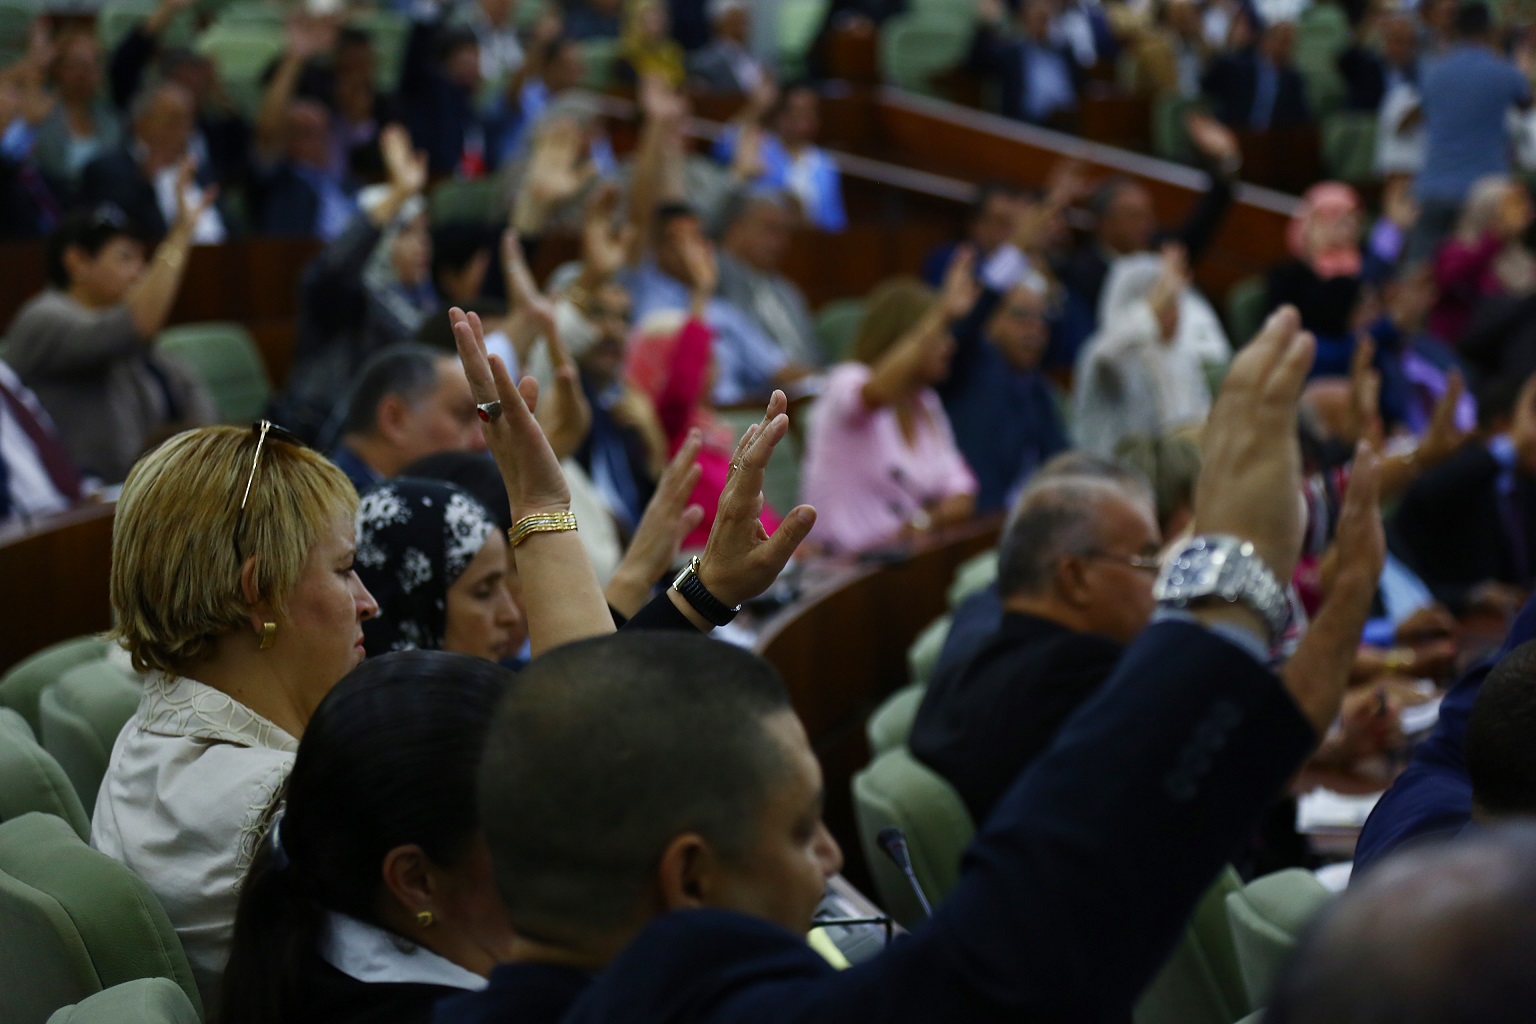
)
(541, 522)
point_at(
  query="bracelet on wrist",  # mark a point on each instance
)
(540, 522)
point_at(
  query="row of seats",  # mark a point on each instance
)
(1237, 939)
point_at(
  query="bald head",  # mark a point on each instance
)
(1440, 935)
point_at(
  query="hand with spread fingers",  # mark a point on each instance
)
(560, 591)
(566, 416)
(668, 519)
(741, 560)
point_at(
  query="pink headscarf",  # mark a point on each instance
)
(1323, 203)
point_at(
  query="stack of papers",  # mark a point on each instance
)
(1323, 810)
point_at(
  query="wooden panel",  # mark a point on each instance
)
(842, 648)
(55, 577)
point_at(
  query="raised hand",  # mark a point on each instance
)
(1319, 670)
(1250, 474)
(741, 560)
(605, 244)
(667, 522)
(191, 203)
(703, 269)
(960, 291)
(561, 165)
(1212, 139)
(566, 416)
(1443, 437)
(406, 168)
(747, 161)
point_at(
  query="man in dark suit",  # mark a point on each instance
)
(1472, 519)
(140, 179)
(726, 63)
(1370, 74)
(1038, 79)
(1256, 88)
(652, 805)
(1075, 573)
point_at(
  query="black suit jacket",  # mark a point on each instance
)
(983, 721)
(1005, 59)
(1232, 81)
(1456, 531)
(1072, 894)
(117, 178)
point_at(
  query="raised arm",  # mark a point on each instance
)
(152, 295)
(307, 37)
(560, 590)
(888, 377)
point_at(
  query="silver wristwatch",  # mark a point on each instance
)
(1228, 568)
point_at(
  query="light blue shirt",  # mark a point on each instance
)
(817, 183)
(1047, 83)
(746, 359)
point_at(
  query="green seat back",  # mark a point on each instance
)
(31, 781)
(1349, 146)
(21, 687)
(891, 724)
(389, 32)
(225, 355)
(1247, 306)
(916, 48)
(781, 481)
(1266, 917)
(241, 51)
(1202, 982)
(118, 17)
(16, 17)
(73, 922)
(467, 202)
(961, 13)
(975, 573)
(1170, 139)
(82, 714)
(141, 1001)
(837, 325)
(1256, 1017)
(923, 655)
(798, 23)
(601, 60)
(895, 789)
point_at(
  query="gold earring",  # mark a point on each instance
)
(424, 918)
(268, 635)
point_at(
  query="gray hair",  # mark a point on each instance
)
(1055, 518)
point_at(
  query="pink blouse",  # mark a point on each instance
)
(864, 479)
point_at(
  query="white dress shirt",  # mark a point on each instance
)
(185, 802)
(374, 955)
(32, 492)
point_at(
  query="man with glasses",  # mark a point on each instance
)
(1075, 572)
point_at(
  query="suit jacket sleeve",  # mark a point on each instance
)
(1072, 895)
(1433, 795)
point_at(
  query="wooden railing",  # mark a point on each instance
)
(842, 648)
(54, 576)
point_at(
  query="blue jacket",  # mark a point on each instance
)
(1433, 796)
(1069, 900)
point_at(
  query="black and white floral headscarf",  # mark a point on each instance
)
(414, 539)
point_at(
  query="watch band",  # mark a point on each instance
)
(688, 584)
(1227, 569)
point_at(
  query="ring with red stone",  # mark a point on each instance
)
(488, 411)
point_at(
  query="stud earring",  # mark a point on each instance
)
(424, 918)
(268, 635)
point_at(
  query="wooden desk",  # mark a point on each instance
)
(842, 649)
(55, 574)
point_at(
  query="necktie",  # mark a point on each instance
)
(56, 461)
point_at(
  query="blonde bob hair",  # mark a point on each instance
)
(175, 569)
(892, 310)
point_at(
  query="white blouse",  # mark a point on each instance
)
(371, 954)
(185, 803)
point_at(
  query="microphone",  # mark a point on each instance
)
(894, 843)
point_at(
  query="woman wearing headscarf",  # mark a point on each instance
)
(1323, 277)
(436, 562)
(1148, 368)
(1485, 258)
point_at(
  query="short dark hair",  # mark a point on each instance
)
(1053, 519)
(475, 472)
(389, 759)
(668, 212)
(787, 91)
(351, 35)
(1438, 934)
(741, 201)
(408, 370)
(455, 39)
(87, 230)
(455, 244)
(1501, 736)
(1103, 197)
(1473, 20)
(605, 751)
(990, 190)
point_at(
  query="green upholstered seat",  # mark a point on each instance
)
(32, 781)
(1266, 917)
(975, 573)
(916, 48)
(82, 714)
(141, 1001)
(1202, 982)
(467, 202)
(837, 325)
(73, 922)
(23, 685)
(798, 21)
(225, 355)
(891, 724)
(923, 655)
(896, 789)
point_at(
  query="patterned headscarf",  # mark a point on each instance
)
(414, 539)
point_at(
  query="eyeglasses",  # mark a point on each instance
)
(260, 429)
(1146, 563)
